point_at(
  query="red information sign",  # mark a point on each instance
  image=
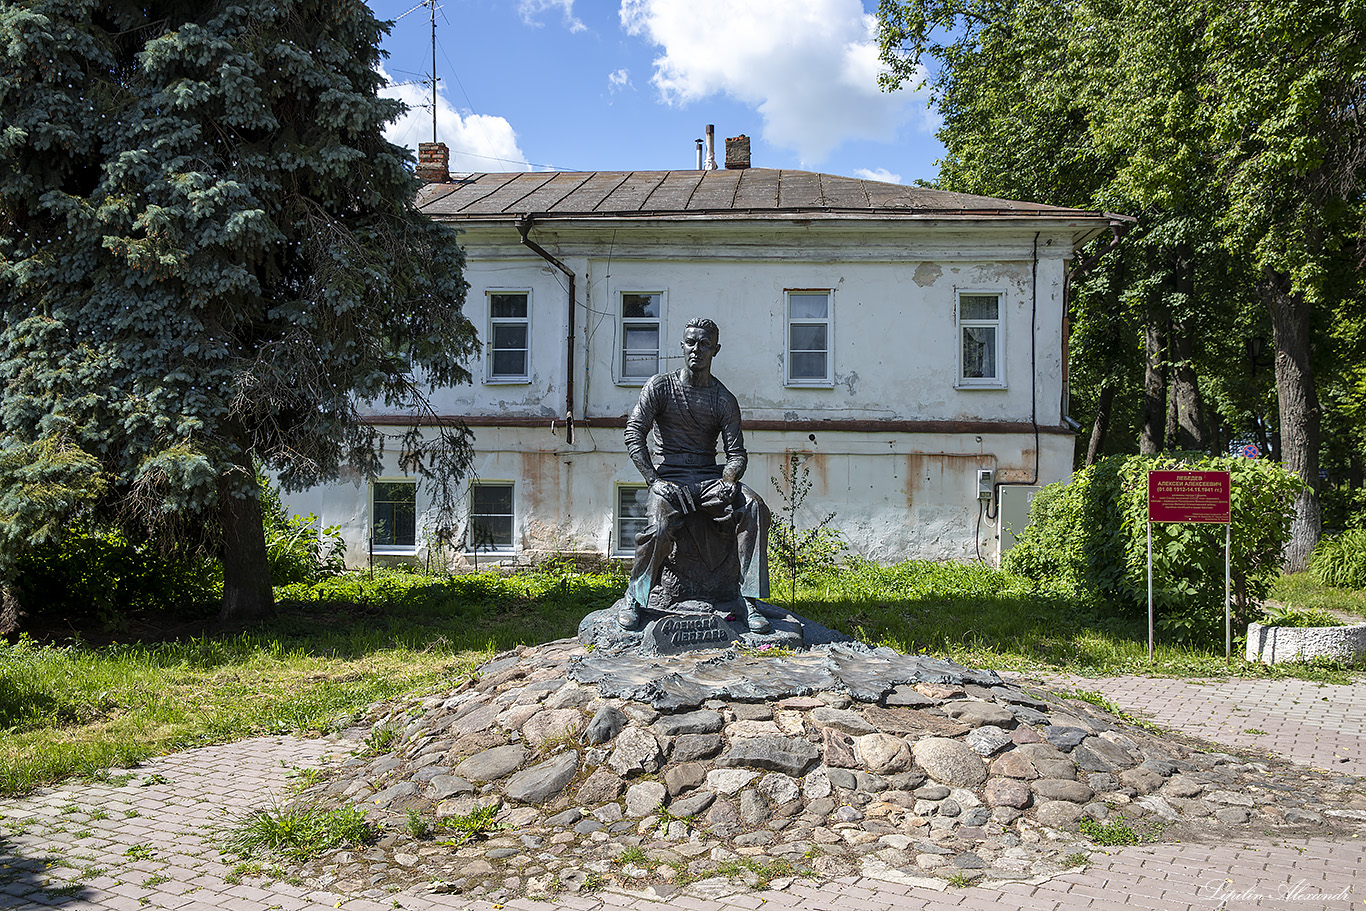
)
(1188, 496)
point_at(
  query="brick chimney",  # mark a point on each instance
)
(737, 152)
(433, 162)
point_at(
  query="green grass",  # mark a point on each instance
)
(1115, 832)
(337, 646)
(1304, 592)
(332, 649)
(299, 831)
(983, 617)
(476, 823)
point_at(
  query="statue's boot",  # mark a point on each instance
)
(756, 621)
(628, 618)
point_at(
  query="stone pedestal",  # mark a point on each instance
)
(690, 626)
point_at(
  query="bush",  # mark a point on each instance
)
(1091, 534)
(1341, 561)
(297, 548)
(100, 575)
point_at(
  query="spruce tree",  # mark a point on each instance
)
(209, 260)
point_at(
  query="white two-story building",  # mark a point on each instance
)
(908, 343)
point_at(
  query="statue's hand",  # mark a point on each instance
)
(679, 495)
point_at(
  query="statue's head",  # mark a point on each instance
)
(701, 342)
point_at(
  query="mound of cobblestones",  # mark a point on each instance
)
(564, 788)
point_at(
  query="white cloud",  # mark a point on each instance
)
(808, 66)
(619, 81)
(478, 142)
(529, 9)
(881, 175)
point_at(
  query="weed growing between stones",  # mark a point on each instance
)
(1075, 859)
(1115, 832)
(378, 741)
(633, 855)
(755, 874)
(961, 880)
(305, 778)
(565, 740)
(476, 823)
(416, 826)
(1097, 699)
(299, 831)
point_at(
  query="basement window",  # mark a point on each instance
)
(632, 517)
(393, 516)
(490, 517)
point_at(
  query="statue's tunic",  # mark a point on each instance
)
(689, 421)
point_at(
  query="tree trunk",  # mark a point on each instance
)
(1169, 440)
(247, 594)
(1102, 423)
(1154, 392)
(1191, 432)
(10, 612)
(1291, 320)
(1186, 399)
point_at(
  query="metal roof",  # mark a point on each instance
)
(742, 193)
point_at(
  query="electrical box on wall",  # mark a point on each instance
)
(1012, 516)
(985, 479)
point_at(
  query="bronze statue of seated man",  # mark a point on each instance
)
(707, 534)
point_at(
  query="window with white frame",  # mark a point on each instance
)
(979, 339)
(509, 337)
(490, 516)
(808, 338)
(632, 516)
(393, 515)
(640, 330)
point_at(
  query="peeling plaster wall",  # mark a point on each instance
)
(894, 350)
(894, 496)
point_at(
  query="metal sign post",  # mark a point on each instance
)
(1194, 497)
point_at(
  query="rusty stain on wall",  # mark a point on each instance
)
(923, 467)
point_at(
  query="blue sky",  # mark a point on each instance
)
(595, 85)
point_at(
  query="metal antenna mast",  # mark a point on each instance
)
(432, 5)
(432, 79)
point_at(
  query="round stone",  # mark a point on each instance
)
(779, 788)
(980, 713)
(645, 797)
(950, 762)
(1007, 792)
(636, 751)
(492, 764)
(551, 724)
(729, 781)
(883, 753)
(1014, 765)
(1062, 789)
(1058, 814)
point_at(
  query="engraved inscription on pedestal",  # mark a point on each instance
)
(681, 633)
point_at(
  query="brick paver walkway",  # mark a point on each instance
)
(151, 841)
(1321, 725)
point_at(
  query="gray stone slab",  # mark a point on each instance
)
(686, 681)
(543, 780)
(775, 754)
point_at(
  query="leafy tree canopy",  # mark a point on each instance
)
(209, 257)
